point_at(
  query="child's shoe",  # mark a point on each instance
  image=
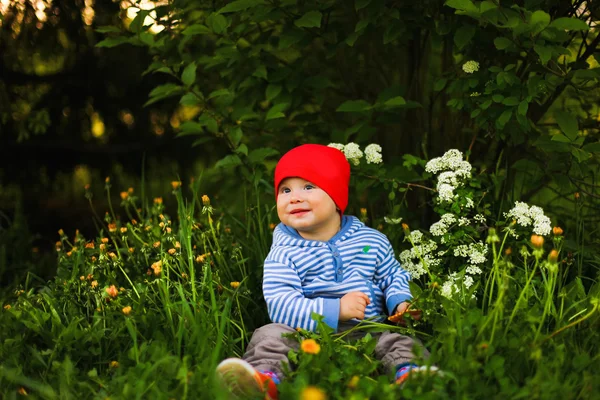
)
(410, 371)
(243, 381)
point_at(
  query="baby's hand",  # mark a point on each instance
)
(401, 311)
(353, 305)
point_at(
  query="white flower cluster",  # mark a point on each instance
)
(353, 152)
(450, 288)
(476, 252)
(534, 215)
(440, 228)
(420, 256)
(392, 221)
(373, 153)
(470, 66)
(454, 170)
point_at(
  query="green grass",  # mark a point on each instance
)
(193, 284)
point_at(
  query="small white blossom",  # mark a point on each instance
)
(373, 153)
(353, 153)
(416, 237)
(470, 203)
(468, 281)
(338, 146)
(479, 218)
(446, 192)
(534, 215)
(475, 94)
(473, 270)
(463, 221)
(470, 66)
(438, 229)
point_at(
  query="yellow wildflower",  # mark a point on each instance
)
(168, 230)
(353, 384)
(123, 230)
(22, 391)
(508, 251)
(177, 245)
(126, 310)
(94, 259)
(157, 267)
(172, 251)
(90, 245)
(158, 200)
(130, 190)
(112, 227)
(312, 393)
(7, 307)
(537, 241)
(112, 291)
(176, 185)
(124, 195)
(235, 285)
(310, 346)
(114, 364)
(205, 200)
(405, 226)
(104, 240)
(112, 255)
(131, 249)
(557, 231)
(156, 244)
(553, 256)
(94, 284)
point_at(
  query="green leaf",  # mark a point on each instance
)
(236, 134)
(395, 102)
(503, 118)
(510, 101)
(359, 4)
(487, 6)
(219, 92)
(138, 22)
(239, 5)
(463, 35)
(188, 77)
(544, 52)
(113, 41)
(261, 72)
(592, 147)
(272, 91)
(568, 124)
(259, 155)
(540, 20)
(463, 5)
(440, 84)
(580, 155)
(362, 24)
(290, 37)
(242, 149)
(189, 99)
(523, 107)
(486, 104)
(502, 43)
(108, 29)
(276, 111)
(196, 29)
(497, 98)
(559, 137)
(311, 19)
(217, 22)
(570, 24)
(352, 38)
(354, 106)
(230, 160)
(162, 92)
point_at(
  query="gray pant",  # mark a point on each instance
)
(268, 349)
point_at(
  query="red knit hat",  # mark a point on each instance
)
(324, 166)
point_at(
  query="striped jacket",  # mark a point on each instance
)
(305, 276)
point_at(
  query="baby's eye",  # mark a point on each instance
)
(284, 190)
(309, 186)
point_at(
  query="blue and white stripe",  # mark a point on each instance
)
(305, 276)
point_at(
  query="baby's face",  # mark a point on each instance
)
(305, 207)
